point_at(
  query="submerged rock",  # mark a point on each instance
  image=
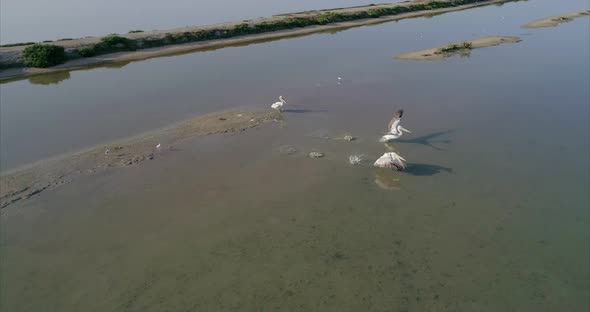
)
(355, 159)
(316, 155)
(287, 150)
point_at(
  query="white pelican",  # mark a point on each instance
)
(158, 146)
(391, 160)
(395, 128)
(279, 105)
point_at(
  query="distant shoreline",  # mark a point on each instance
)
(191, 38)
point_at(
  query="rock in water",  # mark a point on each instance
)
(349, 138)
(287, 150)
(355, 159)
(391, 160)
(316, 155)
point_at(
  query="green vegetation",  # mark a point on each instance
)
(456, 47)
(114, 42)
(114, 39)
(65, 39)
(43, 55)
(16, 44)
(135, 31)
(87, 51)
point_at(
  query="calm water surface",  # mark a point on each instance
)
(491, 215)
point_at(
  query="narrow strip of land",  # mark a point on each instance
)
(23, 183)
(459, 48)
(95, 51)
(556, 20)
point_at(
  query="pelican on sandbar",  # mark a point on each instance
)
(279, 105)
(395, 128)
(391, 160)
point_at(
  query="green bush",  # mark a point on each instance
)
(135, 31)
(242, 28)
(43, 55)
(87, 51)
(114, 39)
(115, 42)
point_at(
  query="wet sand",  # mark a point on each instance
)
(24, 183)
(11, 55)
(554, 21)
(458, 48)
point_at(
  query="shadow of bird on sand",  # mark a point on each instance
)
(303, 111)
(429, 139)
(426, 169)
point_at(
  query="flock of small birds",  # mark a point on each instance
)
(389, 160)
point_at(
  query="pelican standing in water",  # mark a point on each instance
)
(279, 105)
(391, 160)
(395, 128)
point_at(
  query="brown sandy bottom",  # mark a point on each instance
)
(29, 181)
(556, 20)
(459, 48)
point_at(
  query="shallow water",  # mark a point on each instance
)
(490, 216)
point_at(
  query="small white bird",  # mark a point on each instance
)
(107, 151)
(391, 160)
(339, 78)
(395, 128)
(279, 105)
(158, 146)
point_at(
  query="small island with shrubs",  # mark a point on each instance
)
(554, 21)
(462, 49)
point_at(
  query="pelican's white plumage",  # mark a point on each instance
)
(395, 128)
(391, 160)
(279, 105)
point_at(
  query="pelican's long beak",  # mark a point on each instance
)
(401, 158)
(404, 129)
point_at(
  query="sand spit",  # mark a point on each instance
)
(460, 48)
(556, 20)
(26, 182)
(151, 44)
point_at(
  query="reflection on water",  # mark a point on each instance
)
(387, 179)
(482, 220)
(54, 78)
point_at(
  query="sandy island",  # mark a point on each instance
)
(11, 56)
(26, 182)
(556, 20)
(459, 48)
